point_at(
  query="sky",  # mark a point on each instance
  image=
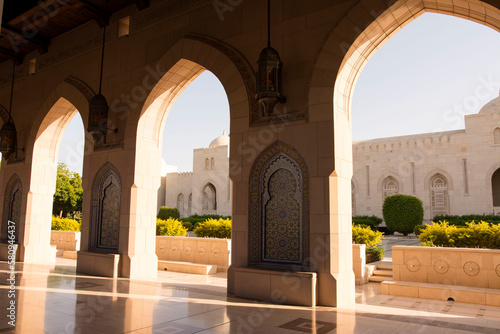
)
(425, 78)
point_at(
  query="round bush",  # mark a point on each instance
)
(170, 227)
(166, 213)
(402, 213)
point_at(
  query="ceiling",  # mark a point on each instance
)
(29, 25)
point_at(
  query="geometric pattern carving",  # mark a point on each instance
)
(413, 265)
(441, 267)
(105, 211)
(279, 209)
(471, 268)
(12, 207)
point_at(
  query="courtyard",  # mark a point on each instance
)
(57, 300)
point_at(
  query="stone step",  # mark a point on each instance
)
(384, 266)
(378, 279)
(378, 272)
(187, 267)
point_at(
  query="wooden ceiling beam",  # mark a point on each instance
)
(20, 37)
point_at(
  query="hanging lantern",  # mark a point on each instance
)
(269, 79)
(98, 117)
(8, 136)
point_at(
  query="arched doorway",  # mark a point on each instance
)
(495, 189)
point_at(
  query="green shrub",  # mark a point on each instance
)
(166, 213)
(196, 219)
(462, 220)
(213, 228)
(418, 229)
(365, 235)
(371, 221)
(402, 213)
(170, 227)
(374, 254)
(187, 225)
(472, 235)
(65, 224)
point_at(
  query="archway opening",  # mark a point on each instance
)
(495, 186)
(408, 97)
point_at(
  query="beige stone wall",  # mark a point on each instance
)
(448, 266)
(466, 158)
(195, 250)
(65, 240)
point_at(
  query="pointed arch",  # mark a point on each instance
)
(105, 210)
(495, 187)
(180, 204)
(390, 186)
(496, 136)
(12, 207)
(279, 209)
(209, 198)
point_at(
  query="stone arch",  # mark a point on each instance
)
(12, 207)
(207, 164)
(209, 197)
(348, 48)
(436, 171)
(439, 198)
(387, 177)
(390, 186)
(496, 136)
(279, 209)
(105, 210)
(180, 204)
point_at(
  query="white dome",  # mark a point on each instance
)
(491, 107)
(220, 141)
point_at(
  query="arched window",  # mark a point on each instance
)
(207, 164)
(105, 210)
(12, 207)
(496, 135)
(212, 163)
(190, 204)
(495, 187)
(180, 204)
(209, 197)
(390, 187)
(439, 195)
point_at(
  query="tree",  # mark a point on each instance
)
(69, 192)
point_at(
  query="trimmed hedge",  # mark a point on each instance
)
(170, 227)
(65, 224)
(365, 235)
(402, 213)
(196, 219)
(371, 221)
(166, 213)
(462, 220)
(212, 228)
(472, 235)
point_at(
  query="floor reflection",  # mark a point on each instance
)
(57, 300)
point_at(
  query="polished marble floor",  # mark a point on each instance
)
(56, 300)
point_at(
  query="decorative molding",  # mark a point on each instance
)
(77, 48)
(82, 87)
(4, 114)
